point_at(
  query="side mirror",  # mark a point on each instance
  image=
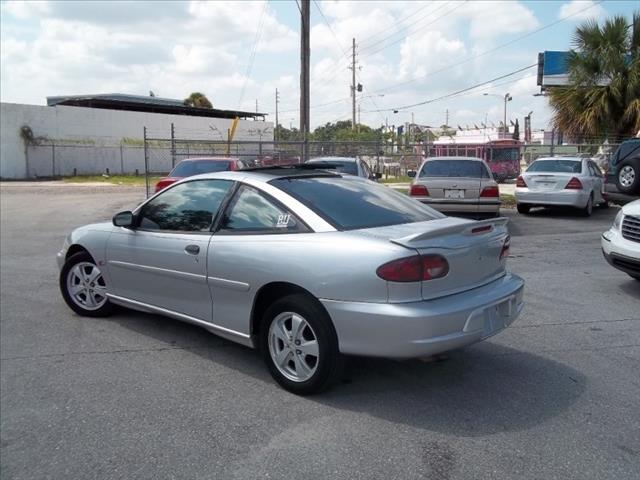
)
(411, 173)
(123, 219)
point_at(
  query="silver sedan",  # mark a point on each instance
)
(304, 264)
(561, 181)
(456, 184)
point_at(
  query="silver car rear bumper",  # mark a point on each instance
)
(569, 198)
(463, 205)
(417, 329)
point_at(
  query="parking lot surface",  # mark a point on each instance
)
(140, 396)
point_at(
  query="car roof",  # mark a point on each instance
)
(475, 159)
(266, 174)
(332, 159)
(216, 159)
(573, 159)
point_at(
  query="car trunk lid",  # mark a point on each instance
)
(471, 248)
(547, 182)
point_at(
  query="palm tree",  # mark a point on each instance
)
(197, 99)
(603, 98)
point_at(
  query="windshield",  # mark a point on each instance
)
(349, 203)
(556, 166)
(187, 168)
(504, 154)
(454, 168)
(343, 166)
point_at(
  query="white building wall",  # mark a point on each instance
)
(87, 127)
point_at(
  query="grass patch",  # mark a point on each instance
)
(508, 201)
(403, 179)
(112, 179)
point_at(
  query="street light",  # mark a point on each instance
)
(507, 98)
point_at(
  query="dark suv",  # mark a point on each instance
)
(624, 167)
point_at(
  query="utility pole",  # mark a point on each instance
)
(353, 84)
(358, 118)
(446, 117)
(275, 132)
(256, 105)
(305, 53)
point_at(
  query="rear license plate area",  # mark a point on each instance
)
(454, 194)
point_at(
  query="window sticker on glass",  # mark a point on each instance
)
(283, 220)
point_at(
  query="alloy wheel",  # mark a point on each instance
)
(86, 286)
(627, 176)
(293, 346)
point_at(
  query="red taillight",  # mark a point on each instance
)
(414, 269)
(434, 266)
(574, 184)
(504, 253)
(490, 192)
(418, 191)
(520, 182)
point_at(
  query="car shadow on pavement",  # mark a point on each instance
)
(480, 390)
(483, 389)
(565, 212)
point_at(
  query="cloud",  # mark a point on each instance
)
(580, 10)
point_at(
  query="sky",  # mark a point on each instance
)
(237, 53)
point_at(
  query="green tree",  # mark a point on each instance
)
(603, 97)
(198, 100)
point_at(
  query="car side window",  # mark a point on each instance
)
(250, 211)
(187, 207)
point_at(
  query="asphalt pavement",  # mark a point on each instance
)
(138, 396)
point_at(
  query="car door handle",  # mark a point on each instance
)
(192, 249)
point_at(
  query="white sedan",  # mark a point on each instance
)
(621, 243)
(561, 181)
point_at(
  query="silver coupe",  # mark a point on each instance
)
(304, 264)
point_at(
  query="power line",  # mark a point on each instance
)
(384, 47)
(486, 52)
(252, 55)
(343, 50)
(395, 23)
(449, 95)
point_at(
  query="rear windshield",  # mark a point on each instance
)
(352, 203)
(338, 166)
(194, 167)
(454, 168)
(556, 166)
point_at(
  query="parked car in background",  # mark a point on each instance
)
(456, 184)
(195, 166)
(304, 264)
(349, 165)
(624, 167)
(621, 243)
(561, 181)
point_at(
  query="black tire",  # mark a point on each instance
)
(523, 208)
(329, 360)
(627, 168)
(604, 204)
(637, 277)
(101, 309)
(588, 209)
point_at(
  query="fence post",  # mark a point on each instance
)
(121, 159)
(173, 145)
(553, 138)
(146, 161)
(53, 159)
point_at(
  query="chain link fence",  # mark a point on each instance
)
(157, 156)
